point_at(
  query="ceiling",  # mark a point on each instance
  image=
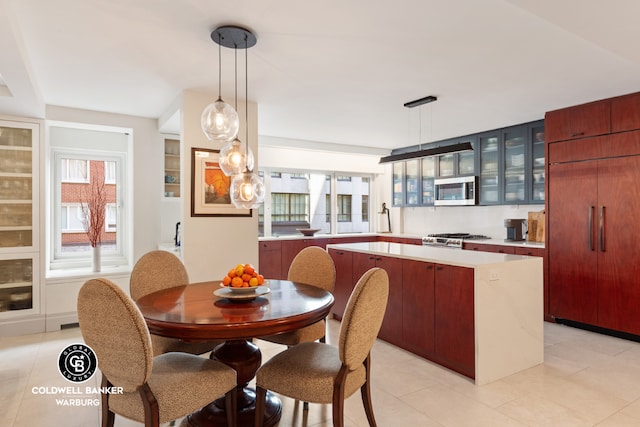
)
(337, 71)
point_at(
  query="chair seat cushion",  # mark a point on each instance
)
(307, 372)
(181, 383)
(308, 333)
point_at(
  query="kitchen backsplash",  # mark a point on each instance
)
(487, 220)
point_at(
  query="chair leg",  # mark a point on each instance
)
(365, 390)
(368, 406)
(150, 404)
(108, 417)
(261, 395)
(337, 399)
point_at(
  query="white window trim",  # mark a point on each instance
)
(58, 259)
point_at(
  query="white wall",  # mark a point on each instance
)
(146, 168)
(212, 245)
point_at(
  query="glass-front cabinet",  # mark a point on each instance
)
(537, 177)
(428, 174)
(411, 181)
(514, 165)
(509, 163)
(398, 184)
(489, 159)
(19, 246)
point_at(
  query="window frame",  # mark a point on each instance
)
(57, 259)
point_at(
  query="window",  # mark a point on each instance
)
(73, 171)
(330, 202)
(289, 207)
(110, 172)
(71, 218)
(365, 208)
(111, 217)
(327, 201)
(344, 207)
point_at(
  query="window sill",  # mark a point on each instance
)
(63, 275)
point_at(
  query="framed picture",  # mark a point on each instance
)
(210, 194)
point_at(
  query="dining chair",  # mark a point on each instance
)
(155, 389)
(323, 373)
(312, 266)
(157, 270)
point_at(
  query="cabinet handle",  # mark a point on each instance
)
(590, 225)
(577, 134)
(429, 267)
(602, 236)
(439, 268)
(372, 258)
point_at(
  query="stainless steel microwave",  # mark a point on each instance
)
(458, 191)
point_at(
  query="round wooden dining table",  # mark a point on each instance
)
(193, 313)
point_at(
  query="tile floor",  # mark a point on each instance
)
(587, 380)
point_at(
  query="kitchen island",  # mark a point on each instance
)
(478, 313)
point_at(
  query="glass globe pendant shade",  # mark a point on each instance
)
(247, 190)
(235, 158)
(219, 121)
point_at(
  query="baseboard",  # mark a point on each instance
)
(58, 321)
(12, 328)
(598, 329)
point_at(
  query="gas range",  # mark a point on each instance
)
(451, 240)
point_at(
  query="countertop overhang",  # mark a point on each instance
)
(450, 256)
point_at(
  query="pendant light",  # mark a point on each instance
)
(219, 120)
(247, 188)
(234, 159)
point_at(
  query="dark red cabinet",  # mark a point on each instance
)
(625, 113)
(391, 330)
(592, 212)
(483, 247)
(418, 307)
(270, 260)
(580, 121)
(454, 318)
(344, 280)
(572, 255)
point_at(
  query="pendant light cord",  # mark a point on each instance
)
(219, 65)
(246, 101)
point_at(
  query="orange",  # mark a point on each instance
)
(260, 279)
(232, 273)
(236, 282)
(248, 268)
(239, 270)
(253, 282)
(246, 277)
(226, 281)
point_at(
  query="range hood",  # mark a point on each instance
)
(435, 151)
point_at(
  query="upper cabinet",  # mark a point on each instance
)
(172, 168)
(509, 163)
(580, 121)
(625, 113)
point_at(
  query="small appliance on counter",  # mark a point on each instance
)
(516, 229)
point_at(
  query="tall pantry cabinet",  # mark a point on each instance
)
(19, 225)
(593, 208)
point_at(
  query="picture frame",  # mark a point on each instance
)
(210, 187)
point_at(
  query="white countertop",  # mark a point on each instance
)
(449, 256)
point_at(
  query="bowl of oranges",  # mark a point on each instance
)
(243, 278)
